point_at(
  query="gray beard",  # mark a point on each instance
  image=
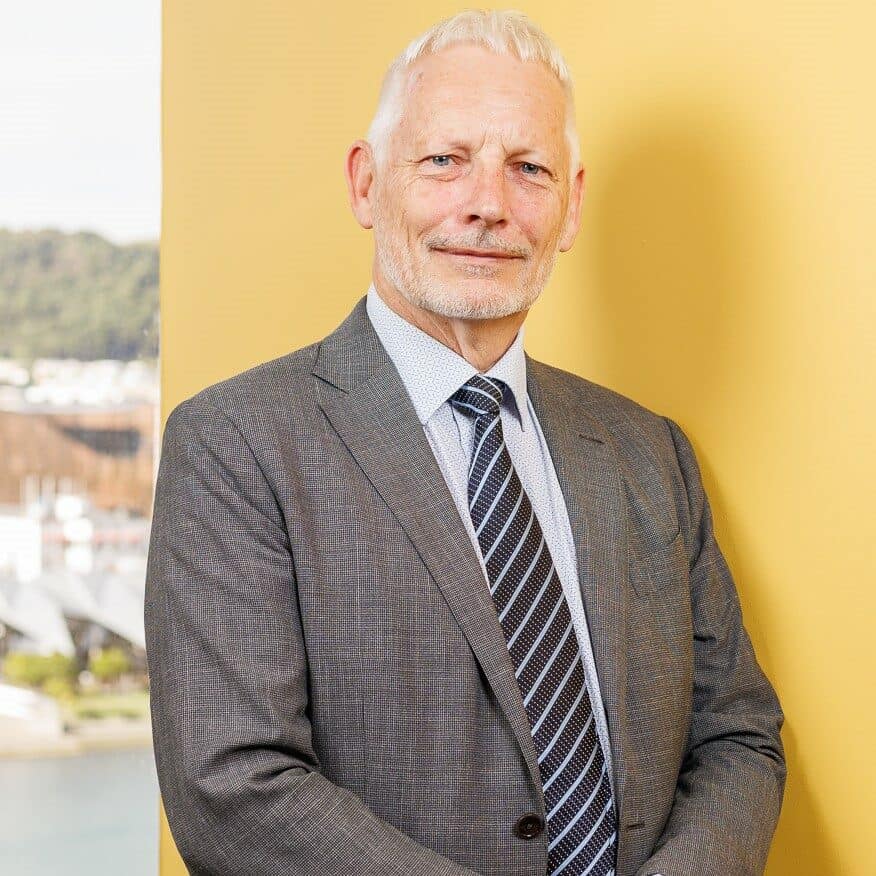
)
(437, 298)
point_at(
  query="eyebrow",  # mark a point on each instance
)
(538, 154)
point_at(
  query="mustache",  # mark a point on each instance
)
(483, 240)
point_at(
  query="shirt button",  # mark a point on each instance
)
(529, 825)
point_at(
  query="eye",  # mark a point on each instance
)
(529, 164)
(440, 158)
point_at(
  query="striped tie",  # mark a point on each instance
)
(535, 619)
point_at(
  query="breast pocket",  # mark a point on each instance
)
(656, 565)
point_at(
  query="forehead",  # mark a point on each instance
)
(467, 90)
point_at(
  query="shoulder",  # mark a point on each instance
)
(656, 460)
(611, 410)
(276, 384)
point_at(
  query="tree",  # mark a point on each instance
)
(77, 296)
(109, 664)
(34, 670)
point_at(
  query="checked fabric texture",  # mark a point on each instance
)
(535, 619)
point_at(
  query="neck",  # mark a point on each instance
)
(481, 342)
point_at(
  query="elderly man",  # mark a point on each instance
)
(420, 604)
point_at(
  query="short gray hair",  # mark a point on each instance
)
(505, 32)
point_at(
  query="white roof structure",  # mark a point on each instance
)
(26, 607)
(39, 609)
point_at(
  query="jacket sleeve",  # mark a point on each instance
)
(238, 774)
(732, 779)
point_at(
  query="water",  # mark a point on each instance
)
(94, 814)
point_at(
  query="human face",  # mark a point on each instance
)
(475, 197)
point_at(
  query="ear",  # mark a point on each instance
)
(359, 171)
(573, 212)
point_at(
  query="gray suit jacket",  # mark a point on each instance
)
(331, 691)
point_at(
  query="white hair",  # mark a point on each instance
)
(505, 32)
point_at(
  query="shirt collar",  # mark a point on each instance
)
(430, 371)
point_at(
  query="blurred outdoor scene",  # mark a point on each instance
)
(79, 431)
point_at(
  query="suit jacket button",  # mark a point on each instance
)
(529, 825)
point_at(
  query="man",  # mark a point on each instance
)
(420, 604)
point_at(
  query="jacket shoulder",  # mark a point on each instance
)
(658, 481)
(262, 387)
(611, 408)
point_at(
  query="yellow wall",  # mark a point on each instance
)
(724, 275)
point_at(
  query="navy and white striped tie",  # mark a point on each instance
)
(538, 629)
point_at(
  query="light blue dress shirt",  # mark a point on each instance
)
(431, 372)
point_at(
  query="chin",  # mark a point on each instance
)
(471, 298)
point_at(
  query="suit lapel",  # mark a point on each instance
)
(588, 473)
(372, 413)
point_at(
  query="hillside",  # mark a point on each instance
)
(77, 296)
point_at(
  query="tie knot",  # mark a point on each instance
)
(479, 397)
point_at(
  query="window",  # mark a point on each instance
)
(79, 423)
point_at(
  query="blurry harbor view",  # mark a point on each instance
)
(79, 426)
(79, 433)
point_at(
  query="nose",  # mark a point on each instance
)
(487, 197)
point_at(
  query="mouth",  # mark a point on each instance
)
(482, 255)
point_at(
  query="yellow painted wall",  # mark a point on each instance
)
(724, 275)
